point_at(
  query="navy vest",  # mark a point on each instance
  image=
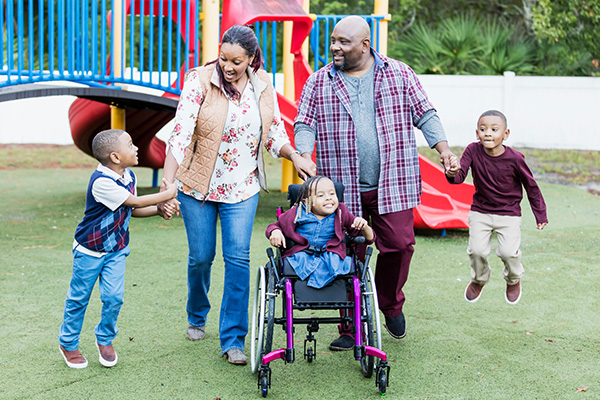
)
(102, 229)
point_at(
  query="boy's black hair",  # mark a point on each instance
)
(494, 113)
(105, 143)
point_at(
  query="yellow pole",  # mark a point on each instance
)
(117, 117)
(210, 30)
(288, 172)
(117, 114)
(381, 7)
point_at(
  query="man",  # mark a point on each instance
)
(360, 109)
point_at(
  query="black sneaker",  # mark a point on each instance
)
(396, 326)
(343, 343)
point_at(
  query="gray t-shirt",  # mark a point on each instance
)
(362, 101)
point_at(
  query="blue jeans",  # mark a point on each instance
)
(110, 269)
(200, 219)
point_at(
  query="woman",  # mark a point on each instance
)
(227, 114)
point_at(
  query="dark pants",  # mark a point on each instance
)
(395, 242)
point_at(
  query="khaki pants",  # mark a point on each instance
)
(508, 230)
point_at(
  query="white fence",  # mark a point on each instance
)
(542, 112)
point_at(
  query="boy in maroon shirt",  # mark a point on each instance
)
(499, 175)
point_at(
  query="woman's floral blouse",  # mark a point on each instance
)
(235, 177)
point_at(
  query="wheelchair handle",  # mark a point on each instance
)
(357, 240)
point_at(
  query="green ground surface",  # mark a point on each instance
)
(546, 347)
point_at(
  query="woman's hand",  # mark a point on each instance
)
(304, 165)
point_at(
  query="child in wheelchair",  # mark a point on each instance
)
(315, 227)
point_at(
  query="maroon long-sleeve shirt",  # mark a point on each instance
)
(499, 182)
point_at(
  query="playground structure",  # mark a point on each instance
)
(115, 51)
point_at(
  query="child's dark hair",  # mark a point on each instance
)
(495, 113)
(105, 143)
(244, 37)
(305, 192)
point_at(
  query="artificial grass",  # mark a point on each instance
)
(546, 347)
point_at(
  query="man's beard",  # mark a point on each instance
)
(342, 67)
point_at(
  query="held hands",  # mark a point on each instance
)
(450, 163)
(277, 239)
(168, 209)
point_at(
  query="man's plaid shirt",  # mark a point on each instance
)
(400, 102)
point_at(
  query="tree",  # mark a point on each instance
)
(574, 23)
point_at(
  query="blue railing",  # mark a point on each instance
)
(74, 40)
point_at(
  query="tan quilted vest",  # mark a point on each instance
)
(198, 164)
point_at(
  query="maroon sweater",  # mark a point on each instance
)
(343, 223)
(499, 182)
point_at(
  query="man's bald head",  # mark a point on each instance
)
(355, 26)
(351, 44)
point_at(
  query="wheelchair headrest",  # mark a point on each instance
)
(294, 190)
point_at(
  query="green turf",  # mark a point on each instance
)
(546, 347)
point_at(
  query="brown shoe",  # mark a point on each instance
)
(513, 293)
(236, 357)
(74, 358)
(473, 292)
(107, 355)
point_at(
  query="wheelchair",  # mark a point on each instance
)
(354, 295)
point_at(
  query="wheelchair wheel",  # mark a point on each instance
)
(370, 287)
(370, 327)
(270, 307)
(263, 310)
(367, 363)
(258, 318)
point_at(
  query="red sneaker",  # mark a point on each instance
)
(108, 357)
(74, 358)
(513, 293)
(473, 292)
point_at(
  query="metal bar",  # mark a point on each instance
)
(40, 37)
(131, 41)
(2, 26)
(178, 43)
(160, 40)
(20, 65)
(9, 39)
(187, 36)
(61, 37)
(71, 38)
(31, 39)
(141, 38)
(274, 49)
(103, 60)
(151, 39)
(94, 39)
(197, 36)
(169, 39)
(50, 36)
(289, 314)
